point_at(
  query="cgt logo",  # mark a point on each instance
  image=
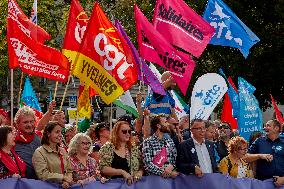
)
(111, 55)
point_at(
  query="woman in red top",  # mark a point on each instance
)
(11, 164)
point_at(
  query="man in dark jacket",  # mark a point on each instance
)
(196, 155)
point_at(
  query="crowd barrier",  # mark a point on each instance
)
(209, 181)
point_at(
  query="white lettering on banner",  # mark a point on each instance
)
(79, 32)
(249, 129)
(112, 55)
(27, 56)
(13, 13)
(220, 24)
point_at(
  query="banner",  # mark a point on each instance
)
(72, 113)
(208, 181)
(34, 12)
(148, 76)
(230, 30)
(155, 48)
(31, 56)
(250, 115)
(207, 92)
(182, 26)
(227, 113)
(105, 61)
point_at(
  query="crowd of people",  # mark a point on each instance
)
(153, 144)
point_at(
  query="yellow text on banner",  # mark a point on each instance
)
(94, 75)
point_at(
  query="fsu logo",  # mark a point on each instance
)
(79, 32)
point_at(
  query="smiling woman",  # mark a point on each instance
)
(50, 161)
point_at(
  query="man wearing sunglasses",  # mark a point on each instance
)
(196, 155)
(225, 133)
(159, 152)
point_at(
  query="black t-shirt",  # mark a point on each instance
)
(119, 163)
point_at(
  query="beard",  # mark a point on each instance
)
(165, 129)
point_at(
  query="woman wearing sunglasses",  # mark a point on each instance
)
(120, 157)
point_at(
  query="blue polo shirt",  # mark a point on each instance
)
(265, 169)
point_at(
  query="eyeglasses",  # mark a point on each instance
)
(126, 131)
(86, 143)
(223, 127)
(199, 129)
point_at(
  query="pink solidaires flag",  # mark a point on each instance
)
(182, 26)
(155, 48)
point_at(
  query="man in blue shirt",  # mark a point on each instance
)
(272, 165)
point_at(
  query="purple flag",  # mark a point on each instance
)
(149, 77)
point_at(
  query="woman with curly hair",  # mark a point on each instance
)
(120, 158)
(233, 164)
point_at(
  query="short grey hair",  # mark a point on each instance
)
(75, 141)
(23, 112)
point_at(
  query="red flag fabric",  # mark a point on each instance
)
(278, 114)
(182, 26)
(155, 48)
(105, 61)
(76, 27)
(25, 24)
(227, 114)
(33, 57)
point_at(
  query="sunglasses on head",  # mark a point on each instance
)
(126, 131)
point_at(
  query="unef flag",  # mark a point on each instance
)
(84, 105)
(105, 61)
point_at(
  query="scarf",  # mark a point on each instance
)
(24, 137)
(15, 167)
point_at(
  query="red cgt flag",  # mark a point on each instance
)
(278, 114)
(105, 62)
(33, 57)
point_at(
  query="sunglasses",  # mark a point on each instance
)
(126, 131)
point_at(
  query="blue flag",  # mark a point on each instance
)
(29, 96)
(233, 95)
(230, 30)
(250, 115)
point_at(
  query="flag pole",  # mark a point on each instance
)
(142, 78)
(64, 94)
(20, 90)
(55, 90)
(110, 123)
(12, 96)
(77, 118)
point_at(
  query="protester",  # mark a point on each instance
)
(84, 167)
(69, 133)
(225, 133)
(210, 132)
(120, 158)
(11, 165)
(91, 133)
(269, 153)
(50, 160)
(159, 152)
(3, 117)
(157, 103)
(27, 141)
(184, 127)
(196, 155)
(233, 164)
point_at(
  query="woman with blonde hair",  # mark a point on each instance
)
(234, 164)
(120, 157)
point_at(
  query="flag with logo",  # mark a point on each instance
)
(126, 102)
(230, 30)
(182, 26)
(105, 61)
(278, 114)
(30, 99)
(206, 95)
(148, 77)
(155, 48)
(30, 55)
(250, 115)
